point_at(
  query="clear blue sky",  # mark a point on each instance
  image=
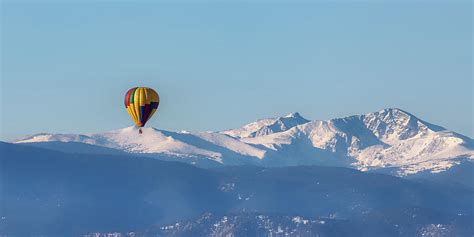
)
(66, 66)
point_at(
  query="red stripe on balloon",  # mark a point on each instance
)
(127, 98)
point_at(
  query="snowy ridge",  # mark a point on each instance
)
(267, 126)
(391, 138)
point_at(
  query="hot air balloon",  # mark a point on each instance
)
(141, 103)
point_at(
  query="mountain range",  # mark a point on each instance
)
(391, 140)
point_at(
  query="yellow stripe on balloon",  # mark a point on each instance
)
(136, 105)
(132, 113)
(131, 108)
(146, 95)
(154, 96)
(142, 97)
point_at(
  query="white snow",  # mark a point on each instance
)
(267, 126)
(232, 144)
(387, 138)
(299, 220)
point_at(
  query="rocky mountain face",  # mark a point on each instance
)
(389, 139)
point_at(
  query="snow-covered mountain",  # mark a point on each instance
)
(267, 126)
(391, 138)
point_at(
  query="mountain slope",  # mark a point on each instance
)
(215, 147)
(257, 224)
(391, 138)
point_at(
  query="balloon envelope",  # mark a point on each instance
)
(141, 103)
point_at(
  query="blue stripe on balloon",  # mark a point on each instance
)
(142, 113)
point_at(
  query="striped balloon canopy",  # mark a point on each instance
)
(141, 103)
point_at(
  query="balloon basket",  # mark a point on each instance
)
(140, 131)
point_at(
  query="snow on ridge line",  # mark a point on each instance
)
(45, 137)
(264, 127)
(387, 138)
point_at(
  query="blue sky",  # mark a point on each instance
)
(66, 66)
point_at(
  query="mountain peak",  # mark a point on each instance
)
(393, 109)
(294, 115)
(279, 125)
(267, 126)
(395, 112)
(394, 124)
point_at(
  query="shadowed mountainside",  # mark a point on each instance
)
(54, 193)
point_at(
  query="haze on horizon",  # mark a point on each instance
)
(65, 67)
